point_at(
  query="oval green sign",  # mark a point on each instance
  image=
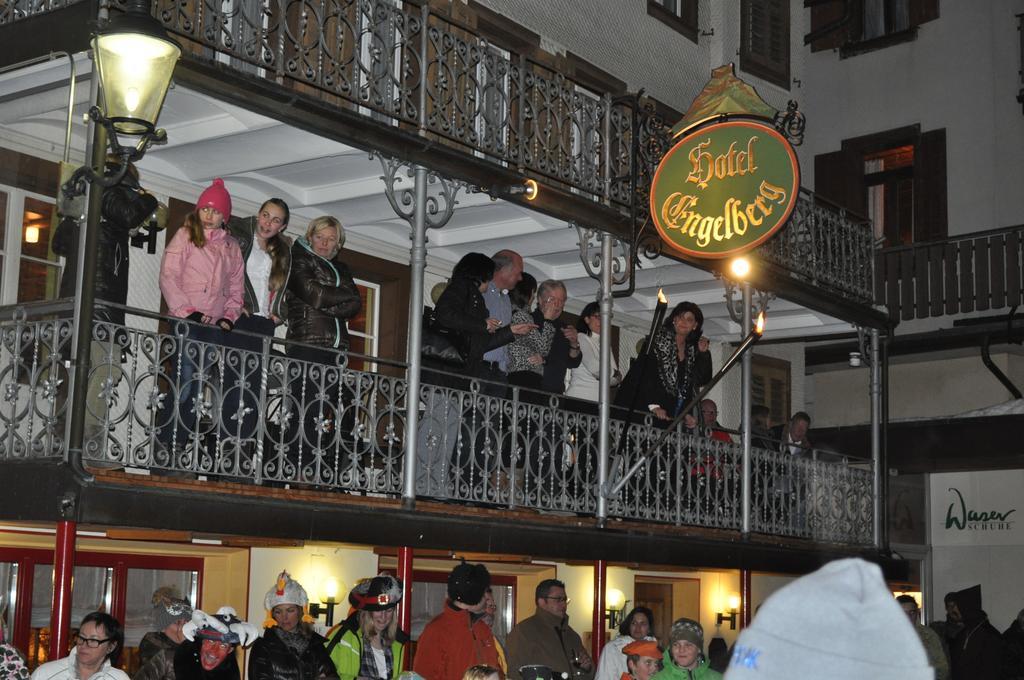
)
(724, 189)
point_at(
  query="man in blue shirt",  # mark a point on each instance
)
(508, 271)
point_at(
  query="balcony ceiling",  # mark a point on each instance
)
(260, 157)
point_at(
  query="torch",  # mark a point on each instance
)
(659, 317)
(752, 337)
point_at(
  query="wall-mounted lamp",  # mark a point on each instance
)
(739, 268)
(615, 603)
(329, 600)
(31, 234)
(528, 189)
(731, 617)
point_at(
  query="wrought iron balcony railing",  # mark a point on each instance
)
(169, 405)
(424, 72)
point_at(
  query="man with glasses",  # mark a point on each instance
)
(546, 639)
(565, 348)
(929, 638)
(98, 644)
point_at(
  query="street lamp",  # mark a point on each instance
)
(134, 62)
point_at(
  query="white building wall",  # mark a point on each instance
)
(917, 389)
(961, 74)
(620, 38)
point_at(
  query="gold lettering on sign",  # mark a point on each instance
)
(677, 212)
(704, 166)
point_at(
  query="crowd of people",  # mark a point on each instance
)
(838, 622)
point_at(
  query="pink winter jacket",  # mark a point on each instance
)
(208, 279)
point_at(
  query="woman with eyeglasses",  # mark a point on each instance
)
(98, 645)
(672, 374)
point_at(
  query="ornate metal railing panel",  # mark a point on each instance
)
(827, 247)
(171, 403)
(33, 386)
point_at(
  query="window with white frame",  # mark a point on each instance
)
(29, 269)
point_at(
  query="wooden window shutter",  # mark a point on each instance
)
(827, 13)
(922, 11)
(764, 40)
(930, 217)
(839, 178)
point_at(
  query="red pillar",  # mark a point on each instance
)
(63, 569)
(405, 608)
(600, 585)
(745, 604)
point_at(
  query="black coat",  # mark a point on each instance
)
(321, 298)
(977, 651)
(271, 659)
(558, 361)
(123, 208)
(644, 384)
(187, 666)
(462, 310)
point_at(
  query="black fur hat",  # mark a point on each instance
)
(467, 583)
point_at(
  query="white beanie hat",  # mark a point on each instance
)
(840, 622)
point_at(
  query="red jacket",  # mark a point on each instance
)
(450, 644)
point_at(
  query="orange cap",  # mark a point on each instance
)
(648, 648)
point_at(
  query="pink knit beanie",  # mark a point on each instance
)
(216, 196)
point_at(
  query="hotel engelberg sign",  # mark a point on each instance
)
(724, 189)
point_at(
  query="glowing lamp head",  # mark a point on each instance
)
(615, 599)
(532, 189)
(135, 60)
(759, 326)
(31, 234)
(740, 268)
(330, 591)
(734, 602)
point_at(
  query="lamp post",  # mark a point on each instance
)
(134, 62)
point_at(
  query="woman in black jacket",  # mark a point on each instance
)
(321, 298)
(289, 649)
(678, 365)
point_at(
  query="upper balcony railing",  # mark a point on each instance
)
(973, 272)
(418, 71)
(168, 405)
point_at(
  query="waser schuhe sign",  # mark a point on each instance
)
(724, 188)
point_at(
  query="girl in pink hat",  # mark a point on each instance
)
(202, 277)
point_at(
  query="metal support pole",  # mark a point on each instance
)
(604, 400)
(87, 293)
(418, 262)
(600, 585)
(877, 459)
(405, 606)
(63, 569)
(745, 379)
(745, 598)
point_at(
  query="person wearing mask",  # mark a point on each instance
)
(637, 626)
(458, 637)
(202, 276)
(289, 648)
(684, 659)
(157, 648)
(546, 639)
(97, 647)
(208, 652)
(671, 375)
(369, 644)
